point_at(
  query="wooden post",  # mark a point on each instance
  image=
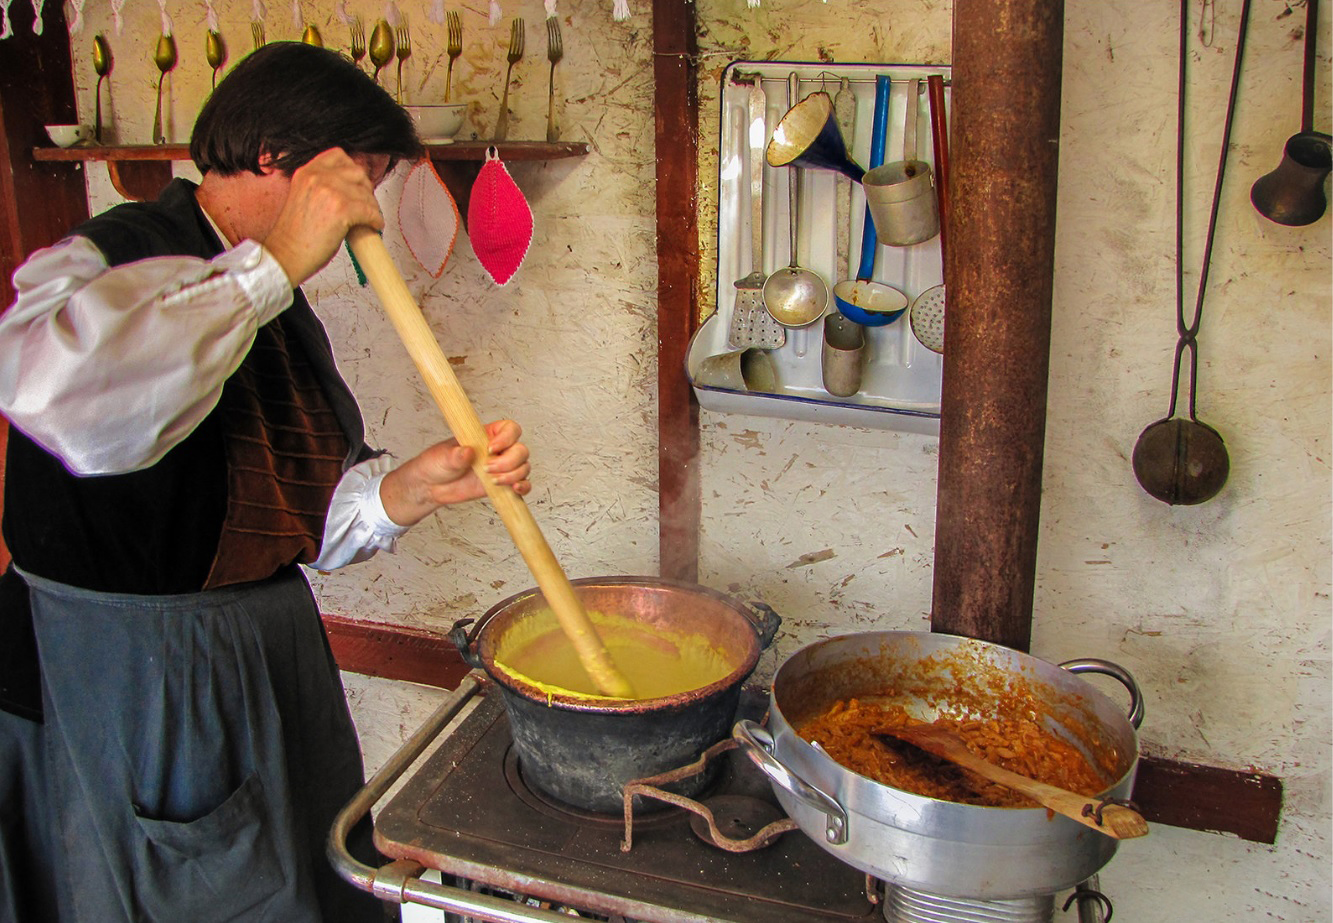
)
(676, 101)
(1006, 128)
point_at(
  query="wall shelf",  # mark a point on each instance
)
(139, 171)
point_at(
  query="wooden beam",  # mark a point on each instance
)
(1198, 797)
(676, 104)
(394, 652)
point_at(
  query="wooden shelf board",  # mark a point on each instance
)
(456, 150)
(116, 152)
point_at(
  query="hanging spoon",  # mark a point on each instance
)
(165, 59)
(381, 47)
(102, 66)
(1186, 461)
(215, 52)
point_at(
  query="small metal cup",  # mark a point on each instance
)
(738, 370)
(844, 345)
(902, 202)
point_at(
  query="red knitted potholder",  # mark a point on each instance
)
(499, 221)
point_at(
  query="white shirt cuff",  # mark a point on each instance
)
(357, 526)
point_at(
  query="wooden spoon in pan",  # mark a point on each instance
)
(1117, 821)
(411, 325)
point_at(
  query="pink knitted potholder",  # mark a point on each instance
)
(428, 217)
(499, 221)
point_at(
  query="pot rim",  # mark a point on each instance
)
(604, 704)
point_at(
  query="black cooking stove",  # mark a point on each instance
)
(468, 813)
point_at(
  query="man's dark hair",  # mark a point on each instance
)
(293, 101)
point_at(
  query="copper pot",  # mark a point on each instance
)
(582, 749)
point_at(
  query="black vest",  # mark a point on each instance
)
(158, 530)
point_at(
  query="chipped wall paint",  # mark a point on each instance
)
(1221, 611)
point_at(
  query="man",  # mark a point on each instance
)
(181, 441)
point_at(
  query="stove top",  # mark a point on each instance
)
(467, 812)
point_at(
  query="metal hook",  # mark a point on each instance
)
(1207, 22)
(1096, 812)
(1082, 894)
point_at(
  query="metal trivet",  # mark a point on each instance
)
(741, 813)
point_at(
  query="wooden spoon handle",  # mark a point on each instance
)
(1117, 821)
(411, 325)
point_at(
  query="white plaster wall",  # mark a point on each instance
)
(1222, 611)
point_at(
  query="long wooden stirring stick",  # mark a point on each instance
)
(407, 318)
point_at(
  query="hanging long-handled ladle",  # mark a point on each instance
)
(795, 296)
(385, 279)
(1185, 461)
(1293, 194)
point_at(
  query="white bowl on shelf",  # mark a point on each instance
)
(439, 122)
(69, 135)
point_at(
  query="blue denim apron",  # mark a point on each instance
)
(197, 749)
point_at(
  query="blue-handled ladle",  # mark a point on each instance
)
(869, 303)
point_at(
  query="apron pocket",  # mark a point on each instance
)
(217, 867)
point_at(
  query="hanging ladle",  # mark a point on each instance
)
(1185, 461)
(863, 300)
(795, 296)
(1293, 194)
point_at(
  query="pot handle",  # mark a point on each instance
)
(1115, 671)
(765, 622)
(463, 639)
(757, 743)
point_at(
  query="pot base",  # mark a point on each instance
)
(905, 905)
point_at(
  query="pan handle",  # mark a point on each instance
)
(1115, 671)
(758, 746)
(765, 622)
(463, 639)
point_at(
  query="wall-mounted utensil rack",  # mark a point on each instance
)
(901, 378)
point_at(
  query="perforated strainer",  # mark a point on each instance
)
(928, 319)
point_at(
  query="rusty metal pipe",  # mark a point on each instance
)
(1006, 126)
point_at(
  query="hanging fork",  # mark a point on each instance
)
(555, 50)
(454, 48)
(404, 52)
(358, 41)
(515, 54)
